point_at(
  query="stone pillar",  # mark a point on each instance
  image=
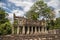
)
(27, 30)
(31, 30)
(39, 29)
(35, 30)
(18, 27)
(46, 30)
(23, 30)
(39, 38)
(18, 30)
(42, 29)
(12, 30)
(45, 27)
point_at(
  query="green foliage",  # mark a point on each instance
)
(5, 26)
(40, 9)
(57, 23)
(3, 16)
(54, 24)
(51, 24)
(32, 15)
(15, 22)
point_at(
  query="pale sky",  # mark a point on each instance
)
(20, 7)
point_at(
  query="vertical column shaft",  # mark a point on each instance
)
(18, 30)
(28, 30)
(18, 27)
(23, 30)
(31, 30)
(42, 29)
(46, 27)
(35, 30)
(12, 30)
(39, 29)
(46, 30)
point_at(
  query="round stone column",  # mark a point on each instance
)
(35, 30)
(42, 29)
(18, 30)
(39, 29)
(12, 30)
(23, 30)
(28, 30)
(31, 30)
(46, 30)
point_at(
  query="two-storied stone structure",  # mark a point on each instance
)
(27, 26)
(27, 29)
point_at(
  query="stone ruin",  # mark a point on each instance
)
(27, 29)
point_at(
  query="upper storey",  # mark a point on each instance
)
(21, 21)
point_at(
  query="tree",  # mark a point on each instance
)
(40, 9)
(57, 23)
(3, 16)
(32, 15)
(5, 26)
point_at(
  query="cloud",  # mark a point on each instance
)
(47, 0)
(56, 5)
(18, 13)
(11, 5)
(53, 3)
(20, 3)
(26, 5)
(19, 7)
(10, 17)
(57, 12)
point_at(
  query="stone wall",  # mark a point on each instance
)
(31, 37)
(52, 35)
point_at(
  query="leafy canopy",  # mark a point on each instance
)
(39, 9)
(5, 26)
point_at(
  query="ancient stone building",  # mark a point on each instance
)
(27, 26)
(27, 29)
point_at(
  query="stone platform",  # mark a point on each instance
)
(31, 37)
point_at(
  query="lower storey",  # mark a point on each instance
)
(29, 30)
(31, 37)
